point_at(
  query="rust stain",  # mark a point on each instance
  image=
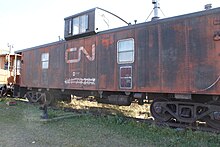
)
(107, 41)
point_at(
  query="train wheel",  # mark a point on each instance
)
(213, 120)
(158, 112)
(49, 98)
(34, 96)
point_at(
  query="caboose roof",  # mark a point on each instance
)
(81, 13)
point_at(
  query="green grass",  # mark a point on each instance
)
(20, 125)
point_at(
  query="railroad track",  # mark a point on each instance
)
(179, 126)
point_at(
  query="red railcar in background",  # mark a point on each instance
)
(173, 61)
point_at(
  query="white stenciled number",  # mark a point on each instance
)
(80, 81)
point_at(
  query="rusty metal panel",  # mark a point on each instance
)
(147, 57)
(56, 66)
(216, 55)
(173, 56)
(80, 63)
(106, 62)
(179, 55)
(204, 54)
(29, 69)
(32, 73)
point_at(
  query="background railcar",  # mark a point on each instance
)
(174, 61)
(10, 65)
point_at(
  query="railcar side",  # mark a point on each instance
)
(173, 61)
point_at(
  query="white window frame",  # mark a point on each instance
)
(129, 50)
(45, 60)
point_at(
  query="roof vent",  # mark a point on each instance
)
(208, 6)
(156, 9)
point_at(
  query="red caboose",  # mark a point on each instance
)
(173, 61)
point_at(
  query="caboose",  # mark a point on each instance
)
(173, 63)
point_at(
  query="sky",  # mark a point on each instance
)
(29, 23)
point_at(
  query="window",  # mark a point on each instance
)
(45, 60)
(125, 51)
(126, 77)
(18, 66)
(6, 66)
(83, 23)
(70, 27)
(80, 24)
(76, 26)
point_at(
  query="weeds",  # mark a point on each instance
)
(20, 121)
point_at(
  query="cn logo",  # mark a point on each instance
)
(78, 51)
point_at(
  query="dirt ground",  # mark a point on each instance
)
(90, 105)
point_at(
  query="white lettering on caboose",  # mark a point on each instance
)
(81, 81)
(69, 59)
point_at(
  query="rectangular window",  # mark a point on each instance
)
(76, 26)
(18, 66)
(6, 66)
(125, 51)
(80, 24)
(126, 77)
(45, 60)
(83, 23)
(70, 27)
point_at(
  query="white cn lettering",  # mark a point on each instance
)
(78, 58)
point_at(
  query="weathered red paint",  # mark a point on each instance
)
(174, 55)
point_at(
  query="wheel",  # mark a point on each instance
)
(213, 120)
(158, 112)
(49, 98)
(31, 96)
(34, 97)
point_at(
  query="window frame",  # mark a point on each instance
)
(82, 24)
(132, 50)
(77, 25)
(45, 57)
(125, 78)
(70, 25)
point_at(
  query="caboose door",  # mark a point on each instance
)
(116, 61)
(125, 60)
